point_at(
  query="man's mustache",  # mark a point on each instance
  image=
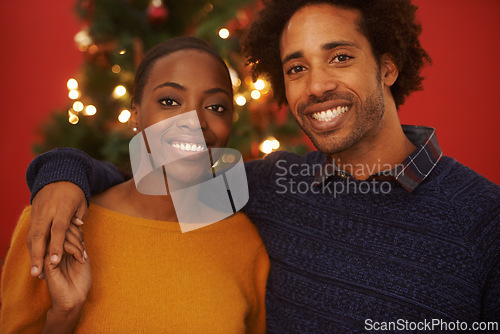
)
(325, 97)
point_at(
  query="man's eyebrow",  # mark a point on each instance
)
(294, 55)
(326, 47)
(170, 84)
(333, 45)
(217, 90)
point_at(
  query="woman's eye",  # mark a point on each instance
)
(295, 69)
(216, 107)
(341, 58)
(169, 102)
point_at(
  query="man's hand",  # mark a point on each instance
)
(54, 207)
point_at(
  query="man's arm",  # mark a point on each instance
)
(56, 203)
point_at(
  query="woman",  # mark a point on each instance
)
(147, 276)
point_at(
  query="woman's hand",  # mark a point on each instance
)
(54, 208)
(69, 283)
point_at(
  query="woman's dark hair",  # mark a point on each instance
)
(165, 48)
(389, 25)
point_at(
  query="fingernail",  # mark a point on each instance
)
(41, 276)
(34, 270)
(85, 256)
(54, 258)
(78, 221)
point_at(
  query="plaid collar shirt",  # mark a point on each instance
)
(412, 171)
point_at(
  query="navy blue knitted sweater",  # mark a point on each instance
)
(353, 258)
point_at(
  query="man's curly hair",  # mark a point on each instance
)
(389, 25)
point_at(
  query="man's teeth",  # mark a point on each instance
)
(190, 147)
(328, 115)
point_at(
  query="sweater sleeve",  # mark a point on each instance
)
(69, 164)
(256, 322)
(25, 300)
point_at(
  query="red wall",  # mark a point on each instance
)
(38, 56)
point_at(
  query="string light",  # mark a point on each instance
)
(236, 117)
(223, 33)
(116, 68)
(72, 84)
(77, 106)
(119, 91)
(269, 145)
(122, 52)
(259, 84)
(255, 94)
(73, 119)
(240, 100)
(124, 116)
(90, 110)
(83, 39)
(73, 94)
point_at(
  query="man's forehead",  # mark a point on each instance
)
(320, 24)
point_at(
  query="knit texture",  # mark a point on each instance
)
(341, 258)
(148, 277)
(69, 164)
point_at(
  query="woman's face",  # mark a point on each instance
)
(179, 87)
(188, 80)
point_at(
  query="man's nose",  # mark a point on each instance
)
(320, 81)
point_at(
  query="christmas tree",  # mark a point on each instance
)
(114, 38)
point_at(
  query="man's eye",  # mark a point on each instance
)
(341, 58)
(295, 69)
(216, 107)
(169, 102)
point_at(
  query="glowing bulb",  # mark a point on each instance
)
(266, 146)
(72, 84)
(275, 144)
(116, 68)
(223, 33)
(73, 119)
(259, 84)
(124, 116)
(90, 110)
(122, 52)
(255, 94)
(119, 91)
(73, 94)
(240, 100)
(77, 106)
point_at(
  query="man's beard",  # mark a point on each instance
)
(368, 117)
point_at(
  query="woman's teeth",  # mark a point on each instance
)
(328, 115)
(189, 147)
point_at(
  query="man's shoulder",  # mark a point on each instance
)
(468, 191)
(457, 178)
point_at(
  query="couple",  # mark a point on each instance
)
(348, 248)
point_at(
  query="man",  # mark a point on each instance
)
(376, 231)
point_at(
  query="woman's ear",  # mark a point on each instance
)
(389, 70)
(134, 119)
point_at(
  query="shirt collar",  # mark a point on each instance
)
(412, 171)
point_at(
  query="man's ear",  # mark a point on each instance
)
(389, 70)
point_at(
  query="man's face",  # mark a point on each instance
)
(332, 80)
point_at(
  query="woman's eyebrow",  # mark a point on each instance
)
(217, 90)
(170, 84)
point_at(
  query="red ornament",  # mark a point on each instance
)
(157, 13)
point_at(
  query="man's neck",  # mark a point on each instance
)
(382, 149)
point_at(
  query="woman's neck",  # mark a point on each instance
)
(124, 198)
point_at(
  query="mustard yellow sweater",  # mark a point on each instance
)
(148, 277)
